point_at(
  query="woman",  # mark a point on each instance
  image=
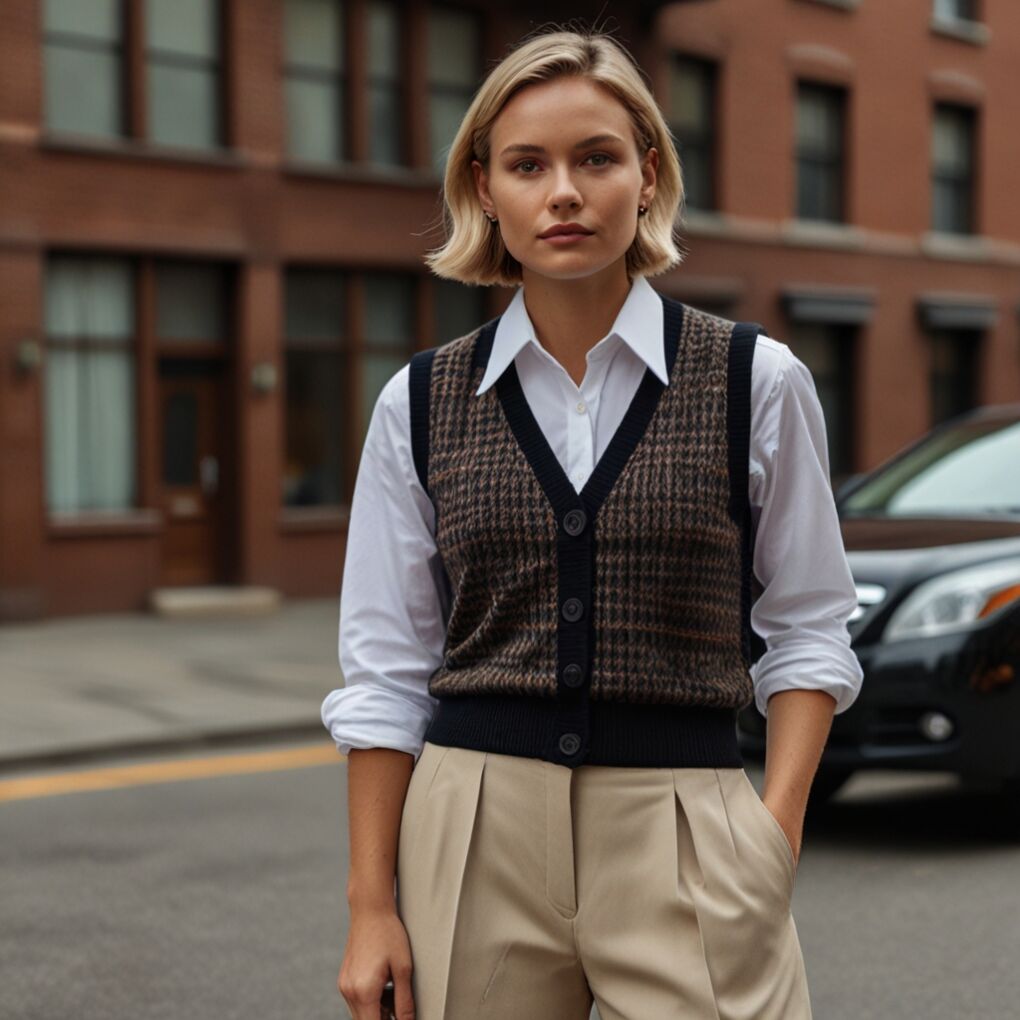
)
(545, 626)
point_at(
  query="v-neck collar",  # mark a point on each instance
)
(550, 474)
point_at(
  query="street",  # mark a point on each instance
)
(215, 889)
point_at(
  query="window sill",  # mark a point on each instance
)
(294, 520)
(363, 173)
(973, 32)
(99, 524)
(130, 148)
(842, 5)
(822, 233)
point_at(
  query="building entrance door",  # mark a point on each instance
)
(192, 484)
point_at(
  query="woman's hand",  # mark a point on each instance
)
(377, 949)
(792, 825)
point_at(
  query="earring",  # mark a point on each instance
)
(492, 219)
(642, 209)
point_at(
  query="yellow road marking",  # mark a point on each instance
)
(144, 773)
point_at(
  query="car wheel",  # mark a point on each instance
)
(828, 780)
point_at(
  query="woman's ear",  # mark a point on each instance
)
(649, 174)
(482, 187)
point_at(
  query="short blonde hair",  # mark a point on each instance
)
(474, 252)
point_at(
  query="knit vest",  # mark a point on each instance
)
(611, 625)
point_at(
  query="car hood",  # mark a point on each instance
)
(894, 551)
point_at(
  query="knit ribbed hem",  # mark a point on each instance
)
(614, 733)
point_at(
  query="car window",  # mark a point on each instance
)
(970, 468)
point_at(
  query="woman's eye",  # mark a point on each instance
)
(601, 155)
(595, 155)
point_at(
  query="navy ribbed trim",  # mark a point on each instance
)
(619, 733)
(419, 389)
(738, 420)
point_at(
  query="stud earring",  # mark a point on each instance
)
(492, 219)
(642, 209)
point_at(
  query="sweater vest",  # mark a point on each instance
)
(609, 626)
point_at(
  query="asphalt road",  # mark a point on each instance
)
(218, 893)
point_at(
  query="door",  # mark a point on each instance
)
(193, 431)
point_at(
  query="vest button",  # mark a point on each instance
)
(572, 610)
(573, 675)
(570, 743)
(574, 522)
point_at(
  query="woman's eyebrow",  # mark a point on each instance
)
(593, 140)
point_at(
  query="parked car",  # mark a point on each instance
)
(933, 540)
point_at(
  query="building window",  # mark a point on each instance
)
(454, 66)
(820, 132)
(692, 121)
(827, 351)
(952, 169)
(316, 79)
(956, 10)
(385, 86)
(317, 368)
(90, 384)
(83, 58)
(389, 333)
(191, 302)
(182, 59)
(954, 372)
(87, 74)
(457, 309)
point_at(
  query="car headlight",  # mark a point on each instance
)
(957, 600)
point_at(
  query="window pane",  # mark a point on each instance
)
(83, 93)
(315, 305)
(951, 141)
(389, 309)
(189, 302)
(459, 309)
(383, 40)
(182, 26)
(314, 467)
(377, 370)
(454, 48)
(314, 126)
(97, 19)
(89, 298)
(819, 120)
(697, 176)
(183, 106)
(180, 439)
(690, 96)
(955, 9)
(90, 435)
(446, 112)
(385, 123)
(826, 352)
(953, 373)
(314, 34)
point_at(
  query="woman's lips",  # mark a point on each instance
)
(565, 239)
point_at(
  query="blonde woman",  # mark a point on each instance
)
(546, 614)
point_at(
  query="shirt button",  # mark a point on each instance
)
(582, 407)
(570, 743)
(572, 610)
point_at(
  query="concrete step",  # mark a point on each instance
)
(214, 600)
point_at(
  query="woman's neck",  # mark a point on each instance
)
(571, 316)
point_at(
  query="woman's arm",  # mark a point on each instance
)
(809, 671)
(377, 780)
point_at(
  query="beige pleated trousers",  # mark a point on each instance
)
(529, 888)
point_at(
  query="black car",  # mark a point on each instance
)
(933, 540)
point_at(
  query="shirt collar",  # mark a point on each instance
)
(638, 324)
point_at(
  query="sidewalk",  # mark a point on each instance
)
(86, 687)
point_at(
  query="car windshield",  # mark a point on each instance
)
(972, 468)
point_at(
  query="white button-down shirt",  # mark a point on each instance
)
(395, 595)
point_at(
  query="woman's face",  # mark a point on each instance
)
(563, 151)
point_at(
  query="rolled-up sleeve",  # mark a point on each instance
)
(799, 558)
(394, 594)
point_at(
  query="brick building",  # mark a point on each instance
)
(213, 212)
